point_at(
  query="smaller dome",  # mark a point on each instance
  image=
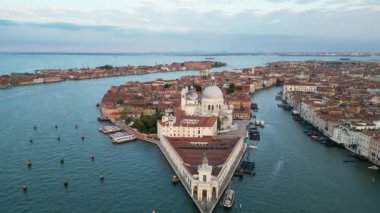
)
(212, 92)
(192, 96)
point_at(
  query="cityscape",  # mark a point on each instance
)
(133, 110)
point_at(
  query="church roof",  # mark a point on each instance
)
(212, 92)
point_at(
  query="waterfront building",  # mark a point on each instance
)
(204, 164)
(374, 149)
(182, 125)
(298, 86)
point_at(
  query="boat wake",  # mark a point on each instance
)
(279, 164)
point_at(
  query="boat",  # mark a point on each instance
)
(209, 58)
(228, 199)
(254, 107)
(102, 118)
(24, 188)
(252, 147)
(175, 179)
(254, 135)
(257, 122)
(349, 161)
(123, 139)
(238, 173)
(373, 167)
(109, 129)
(247, 167)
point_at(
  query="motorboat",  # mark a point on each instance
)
(228, 199)
(373, 167)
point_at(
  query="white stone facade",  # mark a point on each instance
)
(211, 104)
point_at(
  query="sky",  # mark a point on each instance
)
(189, 25)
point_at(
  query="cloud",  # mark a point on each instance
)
(57, 25)
(181, 24)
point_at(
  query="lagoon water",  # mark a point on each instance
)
(311, 178)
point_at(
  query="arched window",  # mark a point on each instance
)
(209, 107)
(213, 107)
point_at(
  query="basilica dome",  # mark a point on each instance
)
(212, 92)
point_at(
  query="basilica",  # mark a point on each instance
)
(210, 104)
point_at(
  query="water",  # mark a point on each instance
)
(18, 62)
(295, 174)
(311, 178)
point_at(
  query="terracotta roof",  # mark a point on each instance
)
(217, 150)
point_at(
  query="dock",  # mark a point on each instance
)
(109, 129)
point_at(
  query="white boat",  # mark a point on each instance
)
(124, 139)
(228, 200)
(373, 167)
(109, 129)
(259, 123)
(252, 147)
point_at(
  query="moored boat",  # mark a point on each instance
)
(228, 199)
(109, 129)
(123, 139)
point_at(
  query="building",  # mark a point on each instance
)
(298, 87)
(211, 103)
(183, 125)
(204, 164)
(374, 150)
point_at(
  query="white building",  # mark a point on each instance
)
(356, 142)
(298, 87)
(186, 126)
(210, 104)
(204, 181)
(374, 150)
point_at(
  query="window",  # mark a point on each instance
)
(204, 178)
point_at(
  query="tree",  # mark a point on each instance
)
(106, 67)
(231, 88)
(167, 86)
(218, 123)
(123, 115)
(198, 87)
(147, 123)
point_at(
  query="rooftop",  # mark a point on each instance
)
(217, 149)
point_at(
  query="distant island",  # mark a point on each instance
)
(57, 75)
(214, 54)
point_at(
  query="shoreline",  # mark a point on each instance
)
(106, 71)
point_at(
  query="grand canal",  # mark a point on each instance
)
(310, 178)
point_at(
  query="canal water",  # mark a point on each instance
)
(310, 178)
